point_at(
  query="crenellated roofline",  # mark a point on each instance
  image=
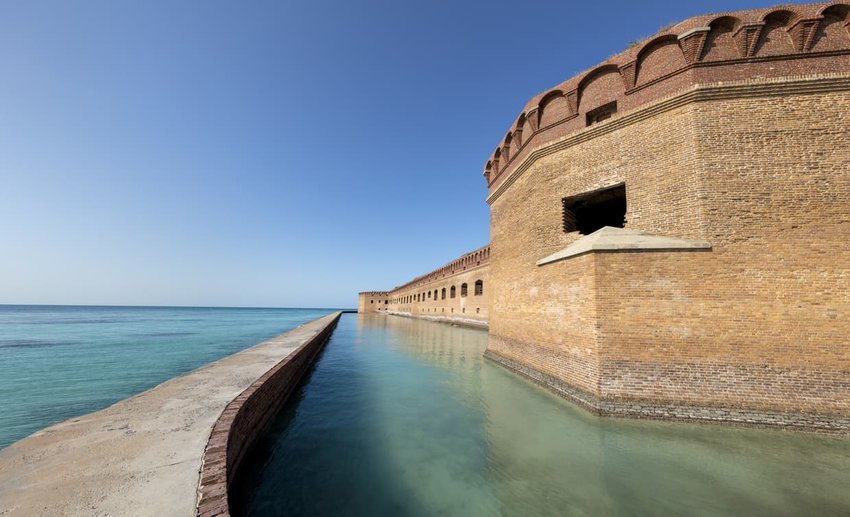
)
(774, 42)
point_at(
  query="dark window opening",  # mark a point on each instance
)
(452, 292)
(479, 287)
(601, 113)
(588, 212)
(443, 294)
(463, 290)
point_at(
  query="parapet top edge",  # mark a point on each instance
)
(745, 28)
(480, 257)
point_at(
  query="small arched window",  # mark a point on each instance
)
(479, 287)
(443, 294)
(452, 292)
(463, 290)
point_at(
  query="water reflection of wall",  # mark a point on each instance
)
(442, 345)
(504, 441)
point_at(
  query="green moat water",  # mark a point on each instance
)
(404, 417)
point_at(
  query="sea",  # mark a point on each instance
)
(59, 362)
(404, 417)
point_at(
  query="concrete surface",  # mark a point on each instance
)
(140, 456)
(609, 238)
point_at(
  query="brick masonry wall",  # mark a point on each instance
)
(245, 419)
(757, 322)
(757, 168)
(372, 301)
(470, 309)
(546, 317)
(423, 296)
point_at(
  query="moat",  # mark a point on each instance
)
(404, 417)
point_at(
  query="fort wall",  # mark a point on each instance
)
(455, 293)
(372, 301)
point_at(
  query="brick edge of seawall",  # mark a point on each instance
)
(653, 410)
(246, 417)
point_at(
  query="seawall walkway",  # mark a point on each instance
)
(143, 455)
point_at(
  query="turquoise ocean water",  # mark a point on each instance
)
(405, 418)
(58, 362)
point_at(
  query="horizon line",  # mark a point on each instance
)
(164, 306)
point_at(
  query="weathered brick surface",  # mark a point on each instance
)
(756, 323)
(423, 297)
(245, 419)
(838, 423)
(372, 301)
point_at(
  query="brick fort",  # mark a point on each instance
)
(669, 230)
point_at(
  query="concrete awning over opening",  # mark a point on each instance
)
(610, 239)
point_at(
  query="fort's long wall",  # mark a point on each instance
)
(456, 293)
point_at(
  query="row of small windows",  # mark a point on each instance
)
(463, 310)
(478, 290)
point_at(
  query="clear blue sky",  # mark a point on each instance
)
(268, 153)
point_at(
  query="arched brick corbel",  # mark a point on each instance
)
(629, 74)
(572, 102)
(747, 37)
(518, 136)
(692, 43)
(803, 33)
(533, 118)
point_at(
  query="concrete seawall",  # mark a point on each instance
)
(245, 419)
(144, 455)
